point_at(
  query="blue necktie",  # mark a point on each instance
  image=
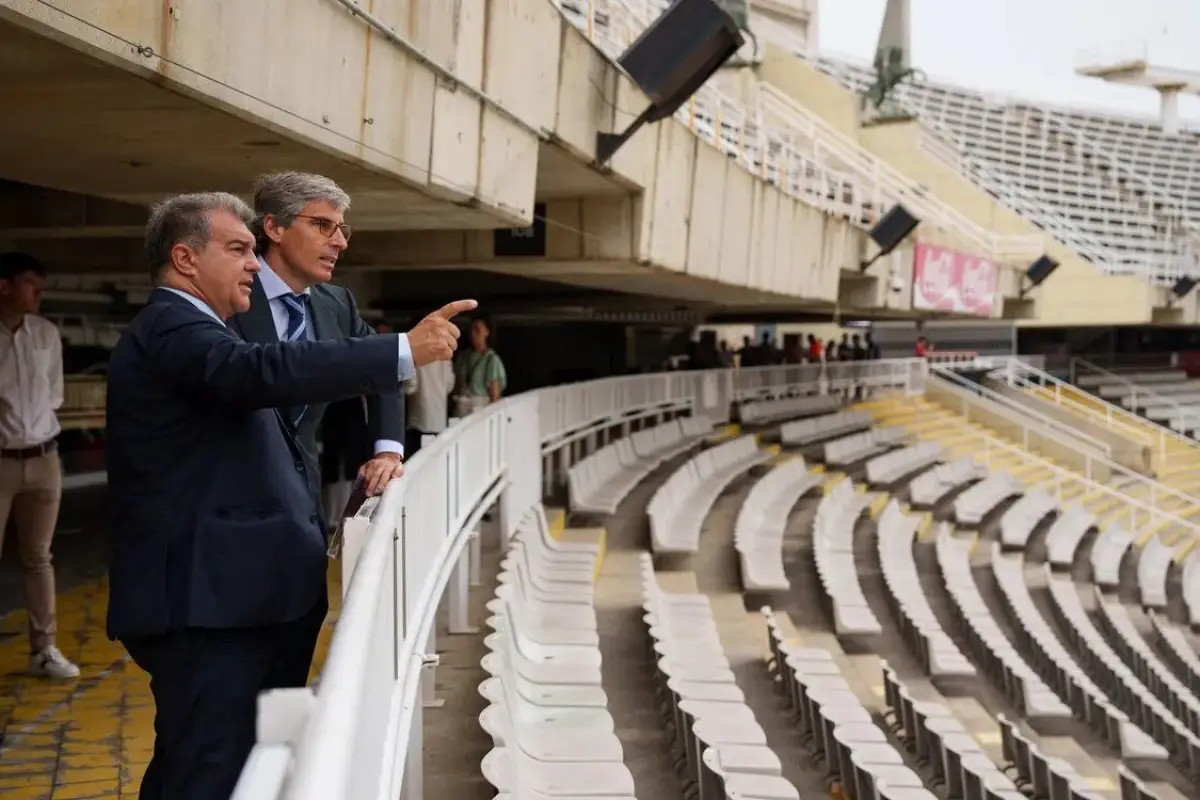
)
(297, 310)
(297, 330)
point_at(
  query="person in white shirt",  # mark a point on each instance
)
(428, 398)
(31, 389)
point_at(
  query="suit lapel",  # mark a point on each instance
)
(258, 324)
(323, 314)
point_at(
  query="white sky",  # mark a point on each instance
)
(1028, 48)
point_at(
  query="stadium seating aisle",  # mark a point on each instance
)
(717, 640)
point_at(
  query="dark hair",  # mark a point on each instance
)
(13, 265)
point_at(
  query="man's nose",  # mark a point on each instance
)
(252, 264)
(338, 240)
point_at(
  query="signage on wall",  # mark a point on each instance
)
(522, 242)
(953, 282)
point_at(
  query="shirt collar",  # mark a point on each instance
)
(273, 285)
(196, 301)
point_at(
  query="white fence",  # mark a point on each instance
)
(358, 736)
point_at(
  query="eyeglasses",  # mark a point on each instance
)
(327, 226)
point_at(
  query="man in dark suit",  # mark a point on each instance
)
(218, 552)
(301, 232)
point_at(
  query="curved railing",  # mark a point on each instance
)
(359, 735)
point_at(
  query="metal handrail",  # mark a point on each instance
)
(1061, 432)
(1114, 417)
(992, 444)
(1189, 415)
(1156, 489)
(888, 178)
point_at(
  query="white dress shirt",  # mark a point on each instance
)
(428, 392)
(271, 285)
(275, 289)
(31, 383)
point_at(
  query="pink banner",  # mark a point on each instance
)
(953, 282)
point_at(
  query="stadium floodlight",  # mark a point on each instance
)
(890, 231)
(671, 60)
(1181, 289)
(1037, 274)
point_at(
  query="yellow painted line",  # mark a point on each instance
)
(860, 488)
(1173, 538)
(1185, 551)
(877, 505)
(1100, 784)
(877, 689)
(1144, 538)
(601, 552)
(987, 737)
(776, 449)
(974, 544)
(556, 518)
(816, 469)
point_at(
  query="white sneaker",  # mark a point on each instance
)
(51, 663)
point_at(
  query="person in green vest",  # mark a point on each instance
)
(479, 373)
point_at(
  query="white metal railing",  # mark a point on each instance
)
(890, 186)
(1112, 417)
(784, 144)
(1188, 417)
(1097, 462)
(1030, 420)
(997, 455)
(359, 737)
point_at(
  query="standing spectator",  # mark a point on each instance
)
(481, 377)
(815, 351)
(428, 397)
(872, 348)
(923, 348)
(31, 390)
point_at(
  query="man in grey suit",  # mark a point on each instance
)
(301, 232)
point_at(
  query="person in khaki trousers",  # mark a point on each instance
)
(31, 389)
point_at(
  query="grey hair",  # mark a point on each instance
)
(184, 219)
(283, 196)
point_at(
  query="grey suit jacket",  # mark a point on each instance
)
(334, 315)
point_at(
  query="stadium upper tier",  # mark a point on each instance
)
(1119, 191)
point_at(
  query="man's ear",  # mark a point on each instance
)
(183, 259)
(273, 229)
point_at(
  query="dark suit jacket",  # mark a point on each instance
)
(334, 315)
(214, 524)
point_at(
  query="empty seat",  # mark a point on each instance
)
(599, 483)
(1130, 695)
(936, 651)
(758, 532)
(717, 738)
(547, 712)
(807, 431)
(1153, 564)
(1107, 554)
(858, 446)
(1058, 667)
(759, 412)
(835, 725)
(833, 556)
(975, 503)
(930, 487)
(935, 737)
(1065, 535)
(1023, 516)
(678, 508)
(891, 467)
(989, 645)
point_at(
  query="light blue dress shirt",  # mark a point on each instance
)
(274, 287)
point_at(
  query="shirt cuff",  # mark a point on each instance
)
(406, 367)
(388, 446)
